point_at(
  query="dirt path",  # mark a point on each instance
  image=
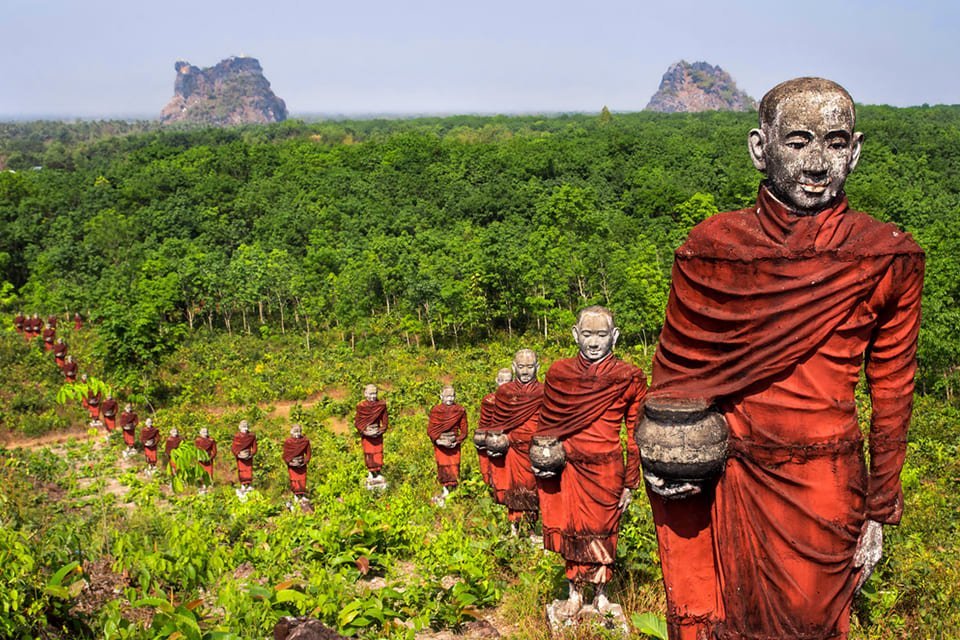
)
(12, 440)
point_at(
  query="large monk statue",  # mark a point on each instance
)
(371, 422)
(150, 437)
(587, 401)
(128, 427)
(205, 443)
(515, 414)
(296, 455)
(243, 448)
(773, 310)
(447, 429)
(484, 424)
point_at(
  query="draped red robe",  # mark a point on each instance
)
(150, 435)
(484, 424)
(109, 410)
(771, 316)
(60, 353)
(242, 441)
(584, 405)
(172, 443)
(92, 404)
(516, 412)
(210, 446)
(70, 371)
(19, 322)
(369, 413)
(444, 418)
(292, 448)
(128, 426)
(49, 336)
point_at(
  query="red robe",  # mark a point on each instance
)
(36, 327)
(70, 371)
(771, 316)
(60, 354)
(242, 441)
(19, 322)
(516, 413)
(77, 322)
(128, 426)
(444, 418)
(150, 437)
(294, 448)
(173, 442)
(584, 405)
(92, 404)
(486, 413)
(369, 413)
(52, 321)
(109, 411)
(210, 446)
(49, 336)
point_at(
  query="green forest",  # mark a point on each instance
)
(269, 272)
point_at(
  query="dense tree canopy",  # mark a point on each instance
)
(434, 230)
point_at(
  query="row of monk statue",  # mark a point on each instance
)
(767, 516)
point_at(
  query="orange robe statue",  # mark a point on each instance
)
(173, 442)
(208, 444)
(769, 316)
(128, 426)
(446, 418)
(584, 405)
(244, 442)
(150, 437)
(370, 413)
(297, 448)
(483, 425)
(516, 413)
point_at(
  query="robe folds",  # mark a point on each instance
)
(18, 322)
(516, 412)
(173, 442)
(771, 316)
(483, 424)
(297, 448)
(244, 442)
(70, 371)
(49, 335)
(210, 446)
(128, 426)
(584, 405)
(150, 437)
(369, 413)
(60, 354)
(447, 418)
(92, 404)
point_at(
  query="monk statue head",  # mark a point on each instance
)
(806, 144)
(447, 395)
(128, 407)
(174, 433)
(525, 365)
(595, 333)
(244, 426)
(109, 396)
(46, 325)
(59, 340)
(504, 376)
(370, 393)
(69, 358)
(149, 423)
(83, 377)
(204, 432)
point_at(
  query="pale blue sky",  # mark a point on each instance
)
(100, 58)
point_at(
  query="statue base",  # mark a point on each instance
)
(378, 483)
(609, 617)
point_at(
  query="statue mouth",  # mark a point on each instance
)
(814, 188)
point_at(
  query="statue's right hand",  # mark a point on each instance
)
(671, 490)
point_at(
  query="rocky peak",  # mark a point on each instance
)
(234, 91)
(699, 86)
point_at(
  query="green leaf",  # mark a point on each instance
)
(650, 624)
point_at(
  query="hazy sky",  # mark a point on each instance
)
(99, 58)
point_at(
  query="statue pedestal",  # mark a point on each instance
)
(609, 617)
(378, 483)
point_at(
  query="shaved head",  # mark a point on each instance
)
(791, 89)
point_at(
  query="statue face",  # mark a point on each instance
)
(128, 408)
(174, 433)
(809, 150)
(204, 433)
(296, 431)
(525, 365)
(149, 423)
(370, 393)
(244, 427)
(595, 335)
(504, 376)
(448, 396)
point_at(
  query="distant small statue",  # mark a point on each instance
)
(447, 429)
(129, 421)
(172, 443)
(371, 421)
(296, 455)
(208, 445)
(150, 437)
(484, 425)
(244, 448)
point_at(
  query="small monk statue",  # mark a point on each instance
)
(91, 401)
(52, 320)
(150, 437)
(109, 412)
(371, 422)
(516, 413)
(587, 401)
(172, 443)
(70, 368)
(60, 352)
(209, 446)
(77, 321)
(775, 312)
(296, 455)
(483, 426)
(129, 421)
(243, 448)
(19, 322)
(447, 429)
(49, 335)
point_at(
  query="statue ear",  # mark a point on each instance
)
(855, 151)
(756, 140)
(616, 336)
(576, 335)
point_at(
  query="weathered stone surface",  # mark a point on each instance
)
(699, 86)
(230, 93)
